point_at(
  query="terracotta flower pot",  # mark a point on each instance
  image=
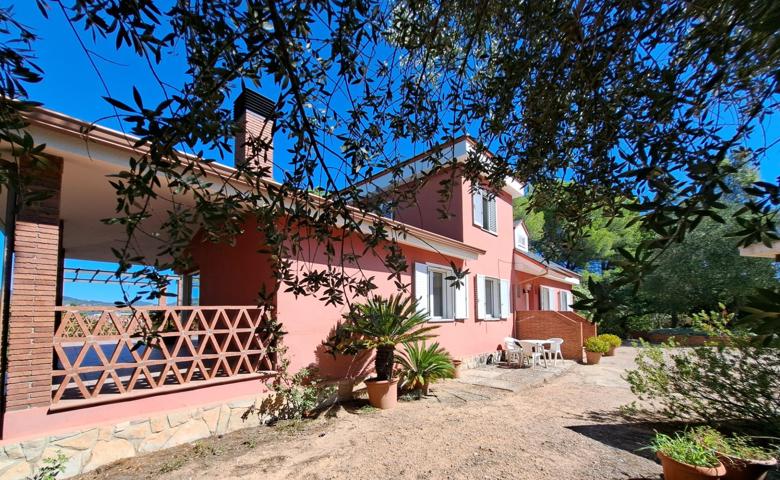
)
(743, 469)
(610, 352)
(382, 393)
(674, 470)
(457, 364)
(592, 357)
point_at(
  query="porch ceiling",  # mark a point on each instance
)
(87, 198)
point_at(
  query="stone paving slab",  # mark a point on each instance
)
(511, 378)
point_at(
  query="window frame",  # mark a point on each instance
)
(494, 297)
(448, 294)
(488, 203)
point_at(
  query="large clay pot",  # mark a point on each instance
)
(674, 470)
(610, 352)
(592, 358)
(382, 393)
(741, 469)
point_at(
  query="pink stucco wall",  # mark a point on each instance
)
(426, 211)
(234, 274)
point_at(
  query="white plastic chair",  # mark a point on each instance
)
(514, 354)
(554, 351)
(533, 352)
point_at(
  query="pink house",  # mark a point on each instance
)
(70, 372)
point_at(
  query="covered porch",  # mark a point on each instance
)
(68, 365)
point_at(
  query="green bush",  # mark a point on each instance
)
(714, 384)
(423, 364)
(596, 345)
(736, 446)
(51, 468)
(685, 448)
(296, 396)
(613, 340)
(647, 322)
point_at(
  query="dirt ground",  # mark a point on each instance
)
(567, 428)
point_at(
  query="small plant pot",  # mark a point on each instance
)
(674, 470)
(592, 358)
(424, 389)
(744, 469)
(610, 352)
(457, 364)
(382, 393)
(345, 389)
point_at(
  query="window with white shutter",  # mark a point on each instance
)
(437, 295)
(484, 209)
(546, 298)
(564, 301)
(492, 298)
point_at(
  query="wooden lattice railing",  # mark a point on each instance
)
(97, 354)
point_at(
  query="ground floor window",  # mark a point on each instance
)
(438, 294)
(492, 298)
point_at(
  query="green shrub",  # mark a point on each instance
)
(647, 322)
(296, 396)
(596, 345)
(51, 468)
(424, 364)
(613, 340)
(737, 446)
(713, 384)
(684, 448)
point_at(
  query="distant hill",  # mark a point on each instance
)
(70, 301)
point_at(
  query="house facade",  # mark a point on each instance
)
(73, 381)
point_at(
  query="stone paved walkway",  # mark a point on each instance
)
(492, 381)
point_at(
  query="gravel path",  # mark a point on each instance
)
(567, 428)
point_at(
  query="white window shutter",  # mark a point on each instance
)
(544, 295)
(462, 300)
(421, 286)
(476, 200)
(504, 298)
(481, 297)
(492, 221)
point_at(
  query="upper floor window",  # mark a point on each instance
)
(521, 238)
(484, 204)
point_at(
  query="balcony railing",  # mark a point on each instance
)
(97, 354)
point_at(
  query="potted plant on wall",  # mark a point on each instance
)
(422, 365)
(381, 324)
(595, 347)
(614, 342)
(683, 457)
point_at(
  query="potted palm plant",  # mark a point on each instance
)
(423, 364)
(595, 347)
(683, 457)
(381, 324)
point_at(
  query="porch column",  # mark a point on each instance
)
(34, 292)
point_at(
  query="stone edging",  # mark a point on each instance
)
(93, 447)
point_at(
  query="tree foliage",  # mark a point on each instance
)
(636, 102)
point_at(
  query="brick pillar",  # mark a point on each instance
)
(34, 292)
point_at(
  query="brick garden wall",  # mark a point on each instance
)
(540, 324)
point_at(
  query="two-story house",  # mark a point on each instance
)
(73, 369)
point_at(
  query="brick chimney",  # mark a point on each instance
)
(255, 140)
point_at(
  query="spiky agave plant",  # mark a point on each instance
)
(424, 364)
(381, 324)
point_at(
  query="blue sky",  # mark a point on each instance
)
(71, 86)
